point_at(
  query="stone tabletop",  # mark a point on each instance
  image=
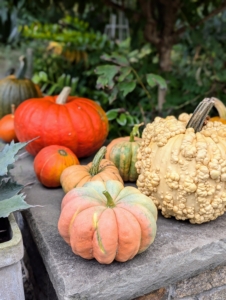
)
(180, 250)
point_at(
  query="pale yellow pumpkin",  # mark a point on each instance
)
(182, 167)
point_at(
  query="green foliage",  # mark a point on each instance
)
(123, 82)
(10, 200)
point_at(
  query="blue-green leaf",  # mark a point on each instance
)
(9, 189)
(12, 204)
(113, 95)
(7, 155)
(154, 80)
(112, 114)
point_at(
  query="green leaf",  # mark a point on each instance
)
(116, 58)
(113, 95)
(7, 155)
(154, 80)
(124, 72)
(43, 76)
(126, 87)
(74, 83)
(107, 73)
(52, 89)
(12, 204)
(122, 119)
(9, 189)
(112, 114)
(61, 81)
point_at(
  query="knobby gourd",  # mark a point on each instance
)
(182, 166)
(107, 221)
(50, 162)
(77, 123)
(123, 152)
(16, 89)
(99, 169)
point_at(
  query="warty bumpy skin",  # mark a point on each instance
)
(184, 172)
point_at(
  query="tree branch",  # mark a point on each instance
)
(150, 31)
(212, 14)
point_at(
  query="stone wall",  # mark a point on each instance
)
(210, 285)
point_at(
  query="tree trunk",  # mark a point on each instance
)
(165, 62)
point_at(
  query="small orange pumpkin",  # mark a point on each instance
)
(7, 132)
(221, 109)
(99, 169)
(107, 221)
(50, 162)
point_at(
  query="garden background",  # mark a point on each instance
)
(137, 58)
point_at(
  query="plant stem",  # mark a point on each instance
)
(62, 98)
(135, 131)
(141, 83)
(110, 201)
(96, 161)
(199, 115)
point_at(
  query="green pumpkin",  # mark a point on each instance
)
(14, 89)
(123, 153)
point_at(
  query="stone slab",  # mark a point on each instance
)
(180, 250)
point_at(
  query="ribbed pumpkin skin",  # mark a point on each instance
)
(95, 230)
(7, 132)
(15, 91)
(123, 154)
(50, 162)
(80, 124)
(77, 176)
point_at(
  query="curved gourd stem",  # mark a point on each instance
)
(96, 161)
(199, 115)
(135, 131)
(110, 201)
(220, 107)
(20, 74)
(62, 98)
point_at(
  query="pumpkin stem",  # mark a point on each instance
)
(200, 114)
(220, 107)
(62, 98)
(13, 109)
(96, 161)
(135, 131)
(22, 69)
(110, 201)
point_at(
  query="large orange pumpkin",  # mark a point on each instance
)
(77, 123)
(107, 221)
(50, 162)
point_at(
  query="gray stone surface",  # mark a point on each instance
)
(180, 250)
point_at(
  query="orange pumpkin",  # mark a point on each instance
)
(107, 221)
(221, 109)
(77, 123)
(50, 162)
(7, 131)
(99, 169)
